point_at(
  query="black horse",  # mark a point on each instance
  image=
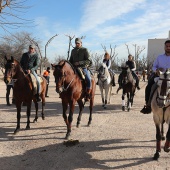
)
(128, 86)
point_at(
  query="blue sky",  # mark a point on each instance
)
(107, 22)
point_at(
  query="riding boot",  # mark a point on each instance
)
(87, 95)
(147, 108)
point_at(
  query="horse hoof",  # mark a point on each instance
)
(67, 136)
(128, 109)
(89, 123)
(105, 107)
(78, 125)
(35, 120)
(16, 131)
(43, 118)
(123, 108)
(163, 138)
(166, 149)
(27, 127)
(156, 156)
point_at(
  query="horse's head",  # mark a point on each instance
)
(163, 88)
(102, 70)
(59, 74)
(125, 74)
(10, 70)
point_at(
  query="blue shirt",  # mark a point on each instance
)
(162, 61)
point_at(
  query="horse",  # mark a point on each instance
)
(104, 81)
(128, 87)
(71, 89)
(160, 104)
(23, 90)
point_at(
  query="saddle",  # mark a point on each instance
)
(81, 73)
(34, 82)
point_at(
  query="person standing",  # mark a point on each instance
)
(80, 58)
(46, 75)
(162, 62)
(29, 63)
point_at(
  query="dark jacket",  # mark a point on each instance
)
(80, 55)
(130, 64)
(29, 61)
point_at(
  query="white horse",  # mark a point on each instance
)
(160, 105)
(104, 84)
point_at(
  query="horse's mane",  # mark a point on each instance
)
(68, 63)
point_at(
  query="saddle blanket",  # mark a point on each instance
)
(34, 82)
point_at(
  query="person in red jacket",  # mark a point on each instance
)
(46, 75)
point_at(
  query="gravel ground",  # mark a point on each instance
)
(115, 139)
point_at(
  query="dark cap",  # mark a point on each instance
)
(78, 40)
(32, 46)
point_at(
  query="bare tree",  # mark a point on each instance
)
(96, 60)
(70, 44)
(11, 13)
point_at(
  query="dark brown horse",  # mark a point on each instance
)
(72, 89)
(128, 87)
(23, 90)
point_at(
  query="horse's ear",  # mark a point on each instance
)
(63, 64)
(5, 58)
(53, 66)
(12, 58)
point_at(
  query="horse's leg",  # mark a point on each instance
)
(36, 111)
(102, 96)
(81, 106)
(28, 115)
(110, 91)
(106, 96)
(158, 142)
(123, 101)
(43, 105)
(167, 143)
(65, 106)
(70, 118)
(128, 101)
(91, 110)
(18, 106)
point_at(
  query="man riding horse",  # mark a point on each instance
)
(80, 58)
(162, 62)
(132, 65)
(29, 63)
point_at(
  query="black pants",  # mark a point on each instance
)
(136, 78)
(48, 80)
(149, 86)
(8, 89)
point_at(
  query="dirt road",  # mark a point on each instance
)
(115, 139)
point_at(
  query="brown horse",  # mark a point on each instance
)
(23, 90)
(72, 90)
(128, 87)
(161, 111)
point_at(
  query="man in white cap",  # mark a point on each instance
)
(29, 63)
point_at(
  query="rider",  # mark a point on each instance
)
(80, 58)
(107, 61)
(132, 65)
(162, 62)
(46, 75)
(29, 63)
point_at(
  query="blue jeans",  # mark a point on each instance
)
(38, 82)
(87, 77)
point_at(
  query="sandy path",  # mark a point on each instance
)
(115, 140)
